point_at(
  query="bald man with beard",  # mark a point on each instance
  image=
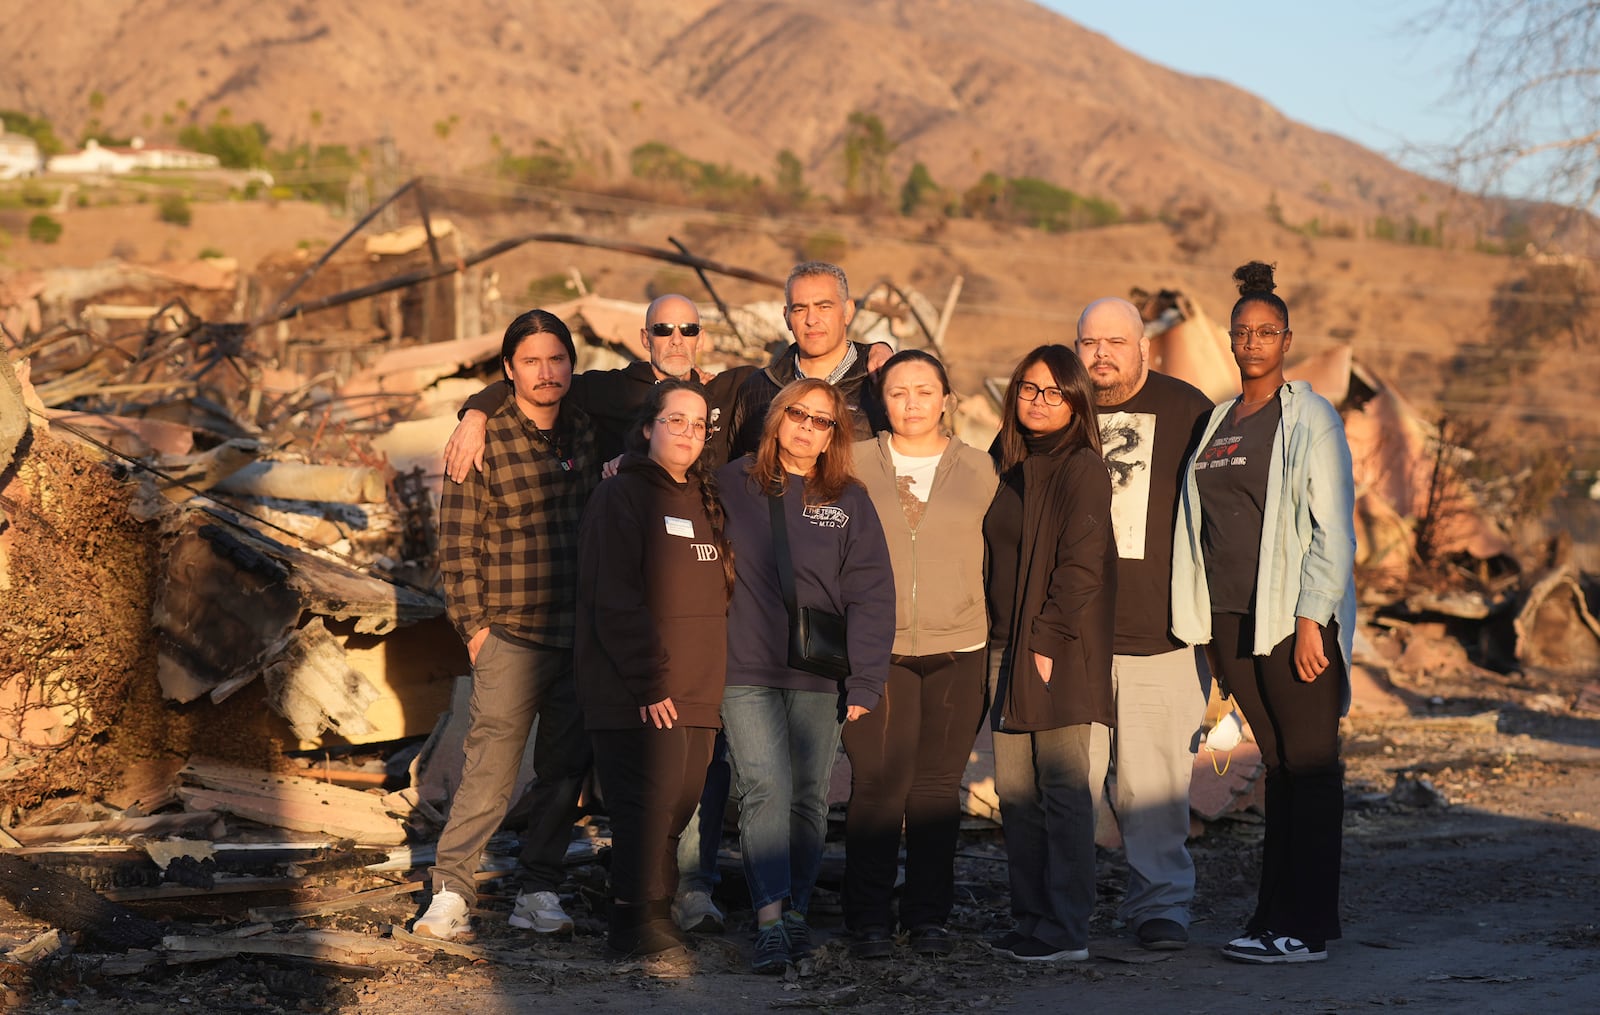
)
(1148, 422)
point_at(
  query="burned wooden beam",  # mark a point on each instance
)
(716, 298)
(288, 801)
(421, 275)
(315, 266)
(66, 902)
(319, 945)
(159, 824)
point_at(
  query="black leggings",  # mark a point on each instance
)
(651, 780)
(1296, 725)
(906, 760)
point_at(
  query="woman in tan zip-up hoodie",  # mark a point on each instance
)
(907, 755)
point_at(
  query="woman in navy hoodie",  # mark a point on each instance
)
(654, 576)
(782, 723)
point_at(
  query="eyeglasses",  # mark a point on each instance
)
(663, 329)
(1030, 392)
(678, 424)
(1267, 334)
(799, 415)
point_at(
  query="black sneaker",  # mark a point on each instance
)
(1003, 944)
(932, 940)
(1034, 950)
(771, 953)
(1268, 948)
(799, 934)
(871, 943)
(1162, 935)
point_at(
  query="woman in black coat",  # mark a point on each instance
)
(1051, 583)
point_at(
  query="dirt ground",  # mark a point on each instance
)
(1471, 882)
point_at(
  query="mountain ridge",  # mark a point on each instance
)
(961, 86)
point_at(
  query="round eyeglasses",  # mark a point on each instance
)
(1267, 334)
(678, 424)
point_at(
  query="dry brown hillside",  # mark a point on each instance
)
(965, 86)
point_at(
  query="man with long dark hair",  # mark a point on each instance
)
(508, 553)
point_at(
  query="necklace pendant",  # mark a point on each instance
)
(566, 465)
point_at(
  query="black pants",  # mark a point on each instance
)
(1296, 725)
(906, 759)
(651, 780)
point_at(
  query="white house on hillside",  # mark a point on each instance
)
(102, 159)
(19, 156)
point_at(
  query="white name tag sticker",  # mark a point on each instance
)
(680, 527)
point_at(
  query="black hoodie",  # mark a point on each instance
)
(652, 602)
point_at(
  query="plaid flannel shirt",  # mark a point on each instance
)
(508, 536)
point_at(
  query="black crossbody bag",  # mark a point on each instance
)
(817, 641)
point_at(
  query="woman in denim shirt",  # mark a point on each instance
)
(1263, 571)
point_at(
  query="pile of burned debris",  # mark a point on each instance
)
(231, 707)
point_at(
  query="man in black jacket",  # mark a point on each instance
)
(818, 311)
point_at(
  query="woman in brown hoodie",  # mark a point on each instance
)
(654, 574)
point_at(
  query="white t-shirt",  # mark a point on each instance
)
(919, 471)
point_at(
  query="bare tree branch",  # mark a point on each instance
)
(1531, 85)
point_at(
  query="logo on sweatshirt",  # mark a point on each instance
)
(826, 516)
(705, 551)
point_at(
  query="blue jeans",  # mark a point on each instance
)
(782, 745)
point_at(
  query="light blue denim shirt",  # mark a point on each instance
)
(1308, 539)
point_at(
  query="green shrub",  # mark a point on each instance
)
(919, 187)
(824, 246)
(656, 162)
(43, 229)
(546, 289)
(37, 195)
(38, 128)
(1030, 201)
(237, 146)
(174, 209)
(209, 252)
(546, 166)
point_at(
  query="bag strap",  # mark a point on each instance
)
(780, 546)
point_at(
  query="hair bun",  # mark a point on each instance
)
(1255, 277)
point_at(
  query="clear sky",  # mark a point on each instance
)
(1357, 68)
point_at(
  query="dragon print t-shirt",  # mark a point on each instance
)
(1145, 442)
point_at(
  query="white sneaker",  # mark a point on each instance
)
(445, 919)
(695, 913)
(541, 913)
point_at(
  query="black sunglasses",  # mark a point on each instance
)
(663, 329)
